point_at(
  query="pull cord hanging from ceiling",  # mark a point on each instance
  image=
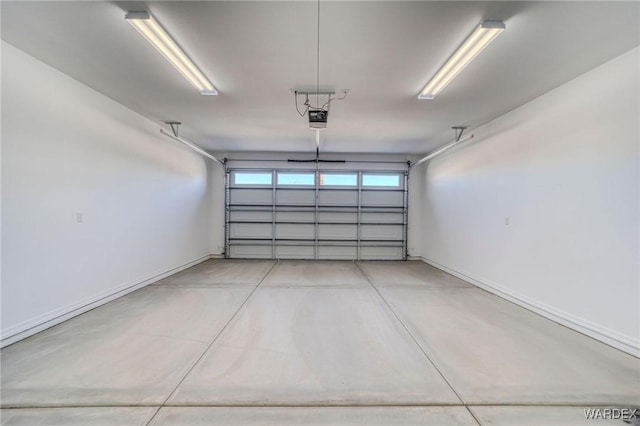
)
(318, 88)
(319, 113)
(318, 59)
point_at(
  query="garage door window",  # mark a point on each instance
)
(379, 180)
(251, 178)
(297, 179)
(332, 179)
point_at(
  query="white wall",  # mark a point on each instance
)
(564, 170)
(67, 149)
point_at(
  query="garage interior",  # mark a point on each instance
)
(320, 212)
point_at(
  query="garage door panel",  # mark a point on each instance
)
(382, 218)
(295, 252)
(337, 217)
(337, 253)
(245, 216)
(294, 231)
(381, 232)
(250, 230)
(383, 198)
(338, 209)
(338, 198)
(380, 253)
(246, 251)
(297, 216)
(271, 218)
(295, 197)
(337, 232)
(250, 196)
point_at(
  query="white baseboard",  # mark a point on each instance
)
(610, 337)
(30, 327)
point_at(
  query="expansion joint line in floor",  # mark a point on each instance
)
(212, 342)
(328, 406)
(415, 340)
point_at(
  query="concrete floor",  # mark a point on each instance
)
(316, 343)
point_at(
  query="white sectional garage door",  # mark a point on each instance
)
(316, 214)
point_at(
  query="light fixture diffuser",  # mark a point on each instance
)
(162, 41)
(472, 46)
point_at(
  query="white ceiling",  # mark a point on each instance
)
(384, 52)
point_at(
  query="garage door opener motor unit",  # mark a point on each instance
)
(318, 115)
(318, 118)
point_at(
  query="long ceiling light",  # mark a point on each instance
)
(472, 46)
(158, 37)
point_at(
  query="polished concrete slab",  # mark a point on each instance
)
(539, 416)
(302, 342)
(408, 273)
(76, 370)
(131, 351)
(310, 345)
(314, 416)
(316, 273)
(182, 313)
(216, 272)
(493, 351)
(77, 416)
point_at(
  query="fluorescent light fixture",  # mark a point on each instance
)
(158, 37)
(472, 46)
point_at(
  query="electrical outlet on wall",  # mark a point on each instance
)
(507, 220)
(79, 217)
